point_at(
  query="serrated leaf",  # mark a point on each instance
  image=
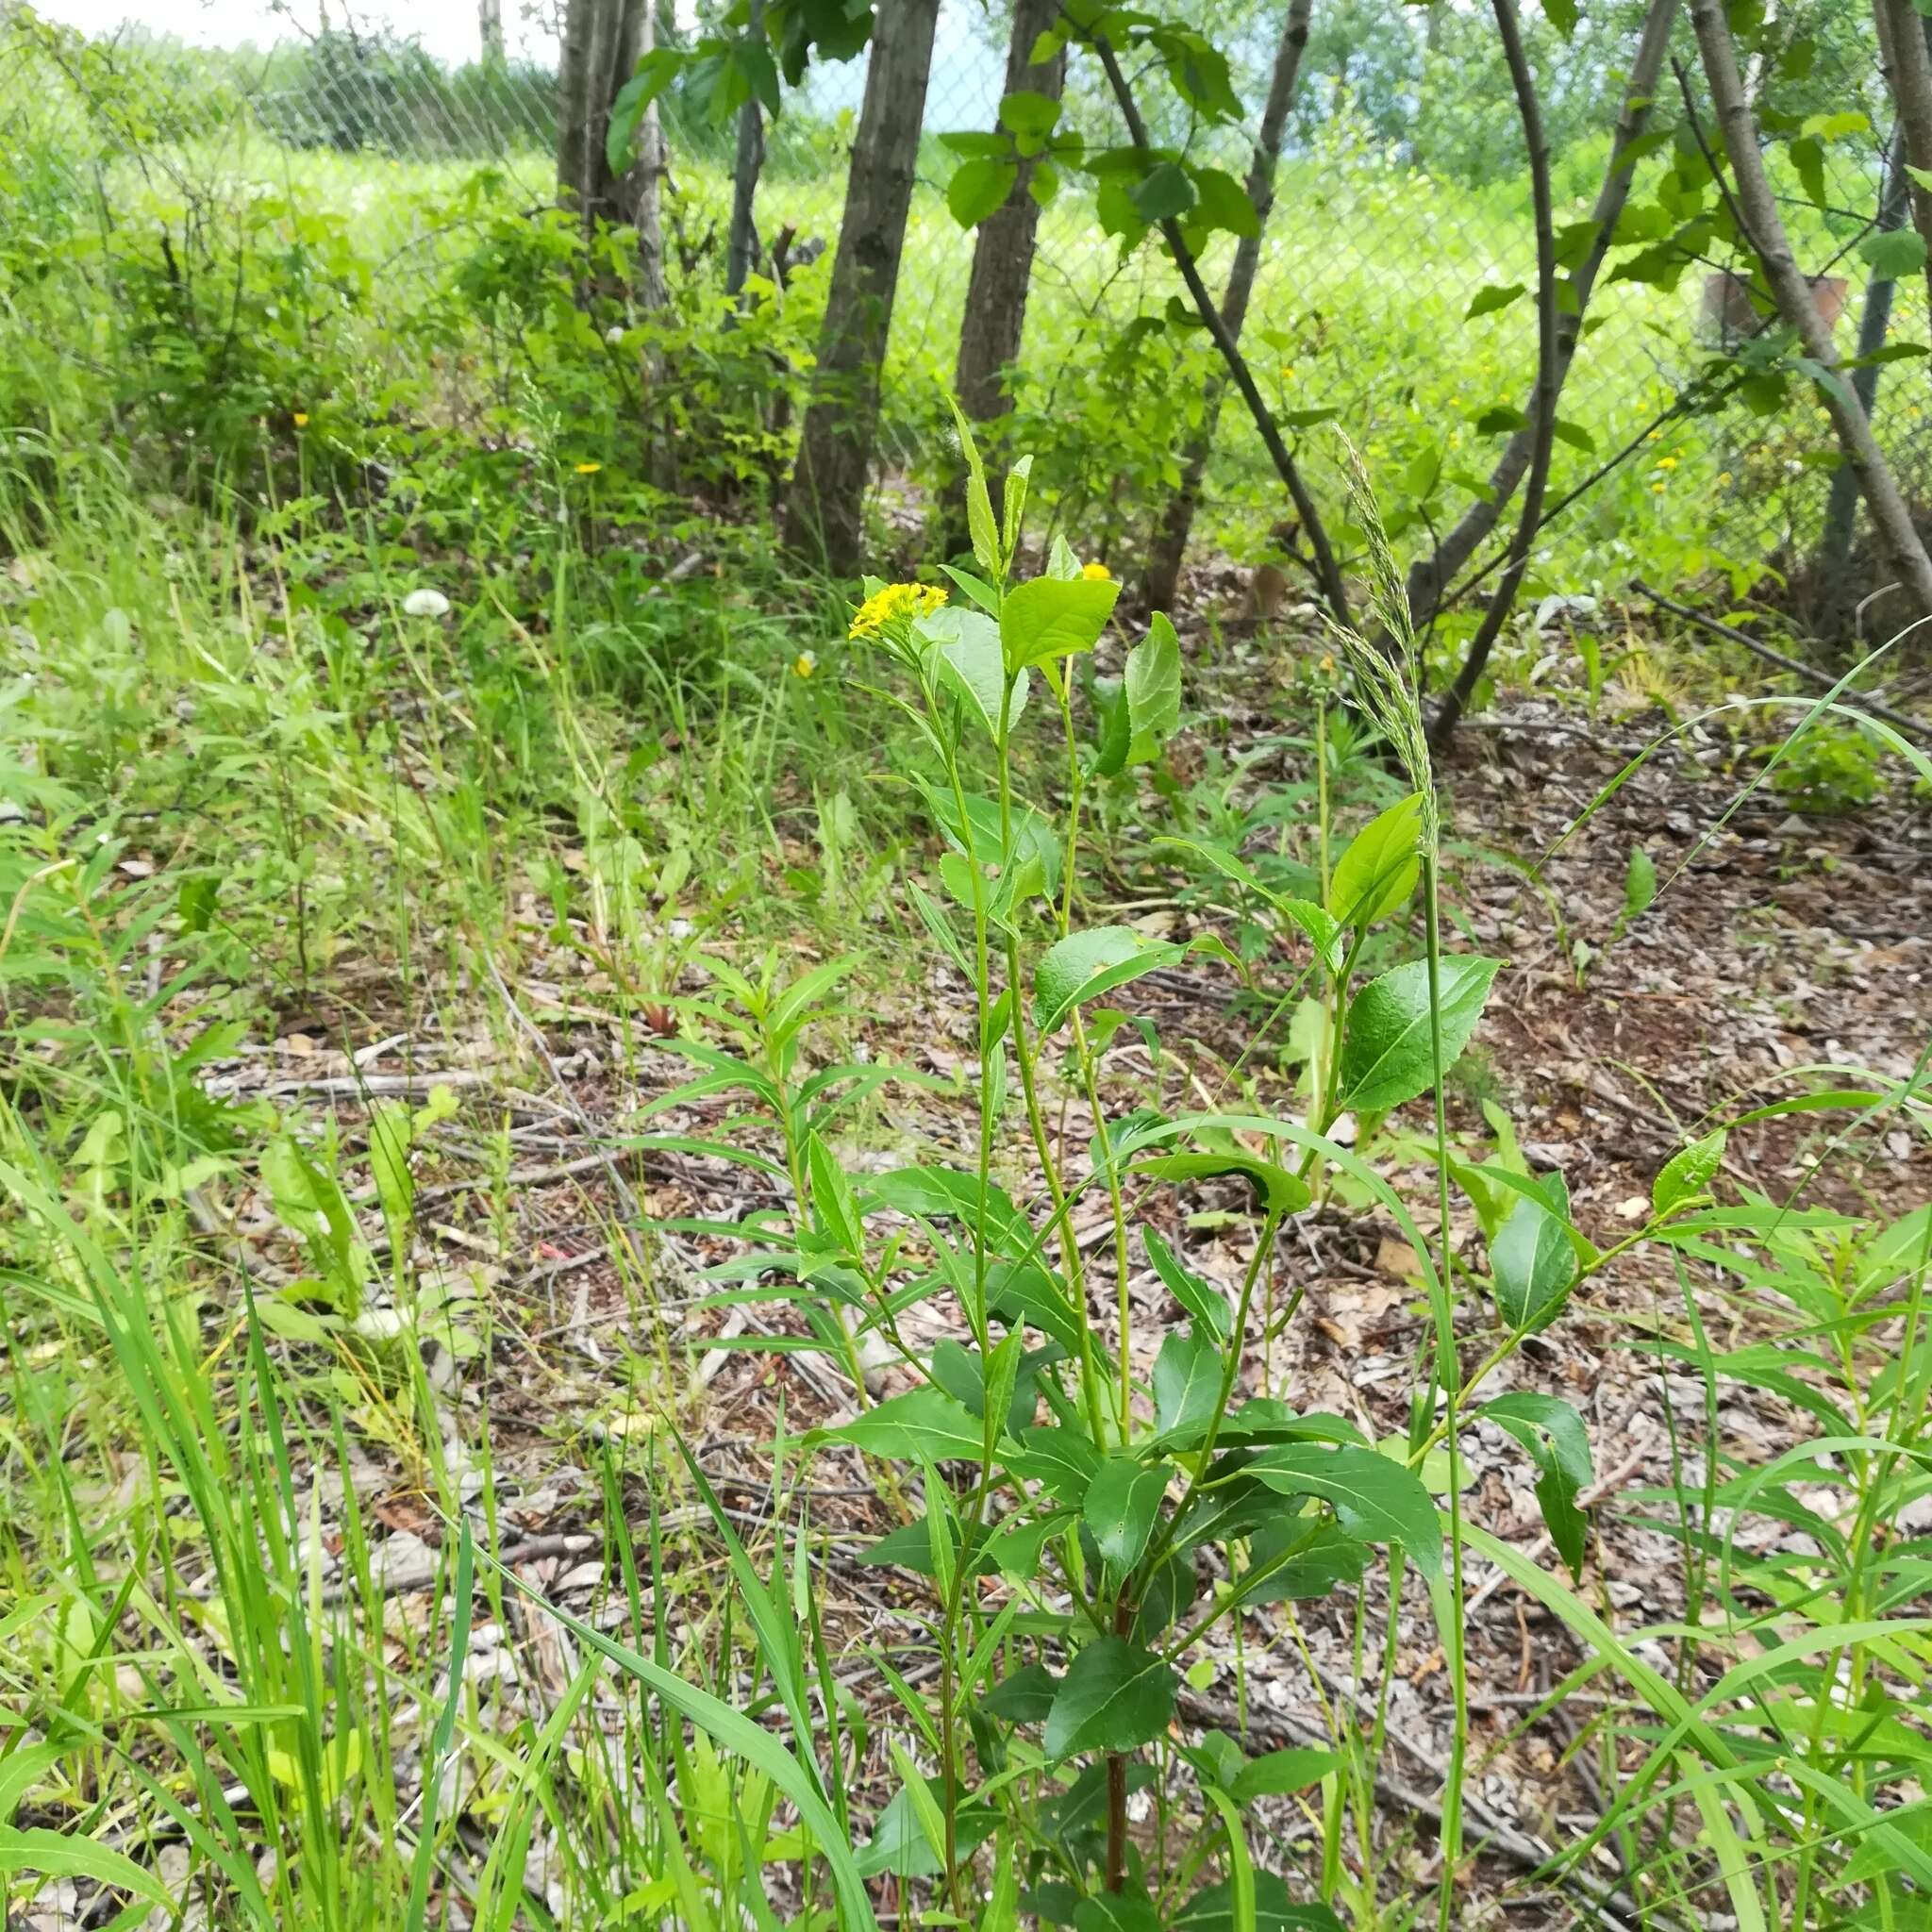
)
(979, 188)
(1377, 872)
(1895, 254)
(1488, 300)
(1688, 1173)
(1386, 1055)
(1115, 1696)
(1055, 617)
(1153, 687)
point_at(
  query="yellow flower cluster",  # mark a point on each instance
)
(897, 603)
(1096, 573)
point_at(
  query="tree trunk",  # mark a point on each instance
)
(825, 514)
(646, 174)
(1905, 54)
(581, 22)
(742, 250)
(1891, 520)
(1430, 576)
(1170, 543)
(490, 29)
(1841, 508)
(995, 316)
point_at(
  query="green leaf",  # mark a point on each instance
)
(1553, 1434)
(1277, 1190)
(1211, 1910)
(629, 106)
(979, 188)
(1030, 114)
(1532, 1258)
(1129, 1910)
(1186, 1383)
(1377, 873)
(1294, 1562)
(1222, 202)
(1021, 1697)
(1500, 419)
(1640, 884)
(1165, 191)
(1123, 1506)
(1373, 1498)
(1922, 176)
(1688, 1173)
(1203, 1303)
(1894, 253)
(923, 1422)
(1278, 1773)
(1061, 1460)
(1114, 1697)
(1387, 1055)
(1153, 690)
(1562, 15)
(61, 1855)
(966, 652)
(1486, 301)
(1054, 617)
(1086, 964)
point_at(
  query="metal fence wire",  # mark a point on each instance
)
(1401, 195)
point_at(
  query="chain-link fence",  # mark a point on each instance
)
(1402, 195)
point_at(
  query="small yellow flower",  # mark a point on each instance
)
(301, 419)
(805, 664)
(1327, 663)
(1096, 573)
(1657, 488)
(1667, 462)
(895, 603)
(1723, 477)
(589, 469)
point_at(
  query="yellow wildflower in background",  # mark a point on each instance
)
(589, 469)
(805, 664)
(1667, 462)
(301, 419)
(897, 603)
(1096, 573)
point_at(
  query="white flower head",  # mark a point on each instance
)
(425, 603)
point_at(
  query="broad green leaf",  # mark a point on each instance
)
(1115, 1696)
(1387, 1055)
(1086, 964)
(967, 651)
(1021, 1697)
(1153, 690)
(1893, 253)
(1377, 873)
(1688, 1173)
(1277, 1190)
(922, 1422)
(1553, 1434)
(1129, 1910)
(1204, 1303)
(1186, 1383)
(1060, 1459)
(1055, 617)
(1122, 1507)
(1373, 1498)
(1211, 1910)
(1486, 301)
(632, 101)
(978, 188)
(1532, 1259)
(1222, 202)
(1278, 1773)
(1301, 1560)
(1165, 191)
(950, 1193)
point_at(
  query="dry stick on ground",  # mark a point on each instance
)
(1914, 727)
(1327, 571)
(1169, 545)
(1428, 575)
(1764, 231)
(1549, 380)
